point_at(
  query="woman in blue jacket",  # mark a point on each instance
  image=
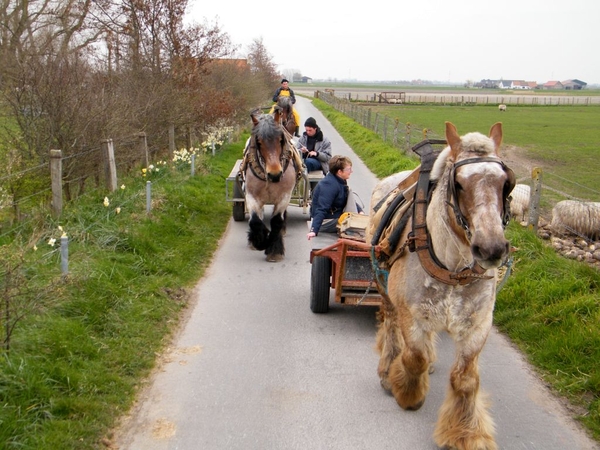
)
(332, 197)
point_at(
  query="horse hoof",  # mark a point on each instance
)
(385, 384)
(274, 258)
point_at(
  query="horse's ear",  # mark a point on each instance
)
(253, 116)
(496, 134)
(452, 138)
(277, 114)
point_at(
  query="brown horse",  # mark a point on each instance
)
(269, 174)
(287, 114)
(447, 282)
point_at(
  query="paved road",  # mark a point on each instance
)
(254, 368)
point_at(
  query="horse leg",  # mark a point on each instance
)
(389, 340)
(284, 227)
(258, 236)
(464, 422)
(275, 248)
(409, 372)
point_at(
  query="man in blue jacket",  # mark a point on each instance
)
(332, 197)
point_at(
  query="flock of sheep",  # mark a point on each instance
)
(568, 216)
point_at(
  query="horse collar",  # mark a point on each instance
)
(255, 160)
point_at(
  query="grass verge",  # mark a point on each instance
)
(75, 365)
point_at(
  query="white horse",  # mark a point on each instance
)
(448, 283)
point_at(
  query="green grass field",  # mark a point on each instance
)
(563, 140)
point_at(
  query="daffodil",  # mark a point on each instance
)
(35, 248)
(106, 201)
(118, 210)
(122, 187)
(51, 242)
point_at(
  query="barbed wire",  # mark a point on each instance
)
(24, 171)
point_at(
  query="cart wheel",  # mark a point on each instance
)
(320, 285)
(239, 208)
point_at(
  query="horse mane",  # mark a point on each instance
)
(474, 144)
(285, 103)
(266, 127)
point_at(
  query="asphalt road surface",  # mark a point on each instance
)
(254, 368)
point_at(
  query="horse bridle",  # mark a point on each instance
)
(452, 199)
(419, 240)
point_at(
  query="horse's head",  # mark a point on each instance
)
(269, 140)
(478, 186)
(286, 113)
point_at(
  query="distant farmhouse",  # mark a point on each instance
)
(306, 80)
(521, 84)
(574, 85)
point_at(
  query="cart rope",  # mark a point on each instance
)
(381, 275)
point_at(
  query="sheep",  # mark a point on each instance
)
(502, 107)
(519, 205)
(581, 218)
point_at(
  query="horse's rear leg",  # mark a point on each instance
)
(258, 236)
(464, 422)
(275, 249)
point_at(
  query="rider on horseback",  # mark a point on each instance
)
(285, 91)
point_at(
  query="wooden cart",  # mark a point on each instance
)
(235, 192)
(346, 267)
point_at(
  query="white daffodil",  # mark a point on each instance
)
(51, 242)
(118, 210)
(122, 187)
(106, 201)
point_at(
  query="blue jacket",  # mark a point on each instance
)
(329, 200)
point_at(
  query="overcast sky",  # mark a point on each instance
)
(436, 40)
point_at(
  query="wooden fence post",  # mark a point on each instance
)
(385, 120)
(56, 177)
(171, 141)
(144, 147)
(110, 168)
(534, 199)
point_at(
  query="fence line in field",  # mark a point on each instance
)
(470, 100)
(404, 136)
(64, 177)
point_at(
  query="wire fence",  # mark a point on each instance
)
(552, 190)
(29, 193)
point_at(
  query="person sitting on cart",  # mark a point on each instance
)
(332, 197)
(314, 147)
(285, 91)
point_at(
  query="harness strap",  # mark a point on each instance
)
(420, 238)
(289, 153)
